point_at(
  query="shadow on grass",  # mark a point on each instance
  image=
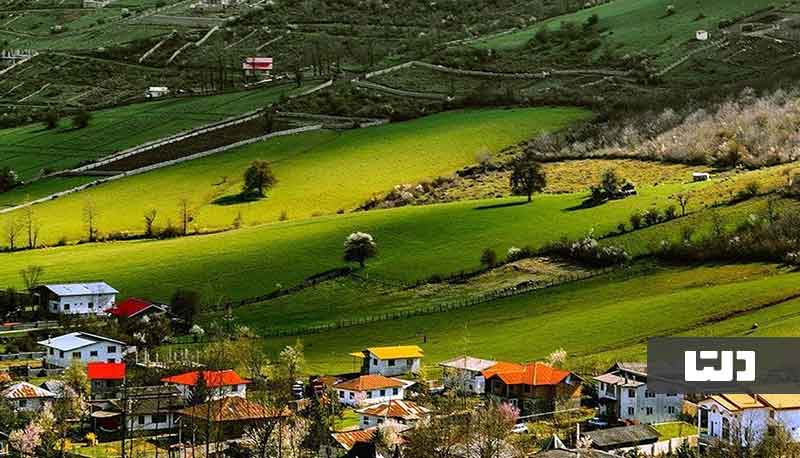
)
(236, 199)
(503, 205)
(585, 205)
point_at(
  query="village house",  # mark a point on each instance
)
(359, 443)
(465, 374)
(219, 384)
(533, 387)
(370, 389)
(83, 347)
(77, 298)
(136, 308)
(24, 397)
(623, 437)
(390, 361)
(154, 92)
(105, 379)
(149, 409)
(402, 412)
(750, 416)
(623, 395)
(229, 417)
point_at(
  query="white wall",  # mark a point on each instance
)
(134, 423)
(215, 393)
(656, 409)
(462, 379)
(29, 405)
(362, 398)
(748, 423)
(82, 305)
(790, 419)
(98, 352)
(391, 367)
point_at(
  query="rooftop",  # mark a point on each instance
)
(81, 289)
(468, 363)
(131, 307)
(735, 402)
(213, 379)
(75, 340)
(349, 439)
(105, 371)
(623, 435)
(406, 410)
(24, 390)
(369, 382)
(534, 374)
(397, 352)
(233, 408)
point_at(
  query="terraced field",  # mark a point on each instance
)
(318, 173)
(31, 149)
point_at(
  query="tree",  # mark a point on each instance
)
(31, 277)
(185, 304)
(258, 178)
(81, 119)
(186, 214)
(527, 176)
(358, 247)
(149, 222)
(51, 119)
(611, 183)
(31, 226)
(490, 427)
(8, 179)
(11, 232)
(489, 258)
(90, 215)
(683, 200)
(76, 379)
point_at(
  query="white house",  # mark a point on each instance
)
(465, 374)
(749, 416)
(370, 389)
(78, 298)
(25, 397)
(402, 412)
(390, 361)
(219, 384)
(701, 35)
(622, 392)
(153, 92)
(701, 176)
(61, 351)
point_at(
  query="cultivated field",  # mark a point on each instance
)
(318, 173)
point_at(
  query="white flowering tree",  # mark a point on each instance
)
(358, 247)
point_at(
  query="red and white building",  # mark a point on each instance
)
(136, 308)
(105, 379)
(219, 384)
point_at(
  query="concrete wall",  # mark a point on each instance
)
(362, 398)
(392, 367)
(98, 352)
(94, 304)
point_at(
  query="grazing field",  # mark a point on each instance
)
(414, 243)
(598, 315)
(33, 148)
(318, 172)
(642, 25)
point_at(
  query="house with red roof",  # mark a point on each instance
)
(105, 379)
(370, 389)
(136, 308)
(219, 384)
(533, 386)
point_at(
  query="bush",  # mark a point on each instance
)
(80, 120)
(670, 213)
(636, 220)
(588, 251)
(489, 258)
(651, 216)
(751, 190)
(51, 119)
(516, 254)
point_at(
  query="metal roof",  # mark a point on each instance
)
(75, 340)
(81, 289)
(623, 436)
(469, 363)
(25, 390)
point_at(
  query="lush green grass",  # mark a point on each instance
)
(31, 148)
(414, 242)
(318, 173)
(643, 25)
(587, 319)
(40, 188)
(675, 429)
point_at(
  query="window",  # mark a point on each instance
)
(631, 393)
(672, 395)
(383, 392)
(396, 391)
(630, 411)
(93, 353)
(649, 411)
(341, 394)
(380, 421)
(374, 361)
(23, 403)
(91, 305)
(726, 428)
(61, 354)
(111, 360)
(410, 362)
(366, 420)
(369, 394)
(351, 395)
(527, 388)
(66, 307)
(76, 355)
(648, 394)
(141, 419)
(159, 418)
(392, 363)
(112, 349)
(52, 352)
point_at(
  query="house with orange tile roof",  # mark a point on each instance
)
(219, 384)
(749, 416)
(24, 397)
(402, 412)
(354, 442)
(390, 361)
(370, 389)
(533, 386)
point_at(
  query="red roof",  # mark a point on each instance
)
(131, 307)
(106, 371)
(534, 374)
(213, 379)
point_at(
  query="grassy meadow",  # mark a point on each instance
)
(318, 172)
(29, 149)
(595, 321)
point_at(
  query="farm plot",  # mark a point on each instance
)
(31, 149)
(318, 173)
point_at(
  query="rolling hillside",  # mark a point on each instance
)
(318, 172)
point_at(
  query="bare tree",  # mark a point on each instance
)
(31, 226)
(31, 276)
(149, 221)
(186, 214)
(683, 200)
(90, 215)
(11, 232)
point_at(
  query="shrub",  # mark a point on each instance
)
(636, 220)
(81, 119)
(51, 119)
(651, 216)
(489, 258)
(515, 254)
(588, 251)
(750, 190)
(670, 213)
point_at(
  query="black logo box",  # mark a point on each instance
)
(777, 365)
